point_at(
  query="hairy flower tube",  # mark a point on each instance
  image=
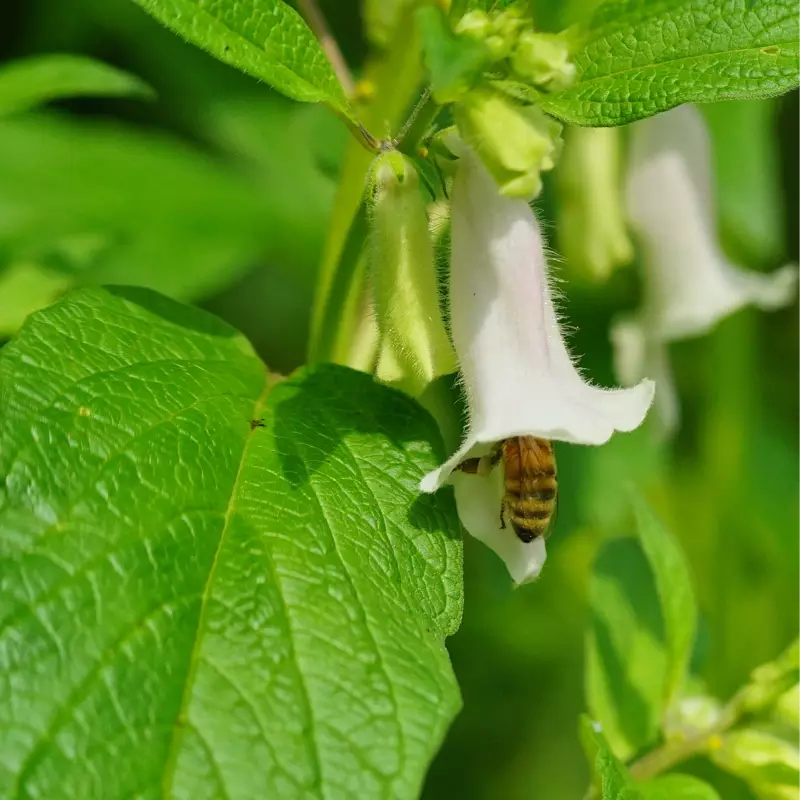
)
(414, 346)
(517, 372)
(689, 283)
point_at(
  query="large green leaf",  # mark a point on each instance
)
(267, 39)
(635, 58)
(213, 585)
(626, 661)
(29, 82)
(675, 594)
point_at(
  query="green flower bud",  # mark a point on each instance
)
(543, 58)
(515, 143)
(475, 24)
(414, 348)
(593, 235)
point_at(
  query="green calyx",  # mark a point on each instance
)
(593, 235)
(414, 346)
(516, 143)
(543, 59)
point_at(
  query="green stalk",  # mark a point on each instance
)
(337, 305)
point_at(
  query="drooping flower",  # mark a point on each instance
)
(689, 283)
(518, 375)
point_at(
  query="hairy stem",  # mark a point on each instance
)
(316, 21)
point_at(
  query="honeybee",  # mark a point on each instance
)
(530, 480)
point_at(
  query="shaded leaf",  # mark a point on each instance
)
(30, 82)
(676, 597)
(185, 224)
(213, 585)
(636, 58)
(748, 178)
(627, 661)
(455, 63)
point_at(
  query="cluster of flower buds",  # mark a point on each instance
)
(539, 59)
(515, 141)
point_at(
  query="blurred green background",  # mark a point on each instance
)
(220, 191)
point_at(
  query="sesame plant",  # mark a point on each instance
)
(222, 577)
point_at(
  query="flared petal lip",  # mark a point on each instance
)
(479, 442)
(767, 291)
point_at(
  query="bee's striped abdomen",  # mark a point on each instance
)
(530, 486)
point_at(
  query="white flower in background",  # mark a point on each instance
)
(690, 285)
(517, 372)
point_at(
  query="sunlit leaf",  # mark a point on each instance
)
(766, 761)
(677, 787)
(215, 584)
(267, 39)
(635, 58)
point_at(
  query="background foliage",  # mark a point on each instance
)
(229, 190)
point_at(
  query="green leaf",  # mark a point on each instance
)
(636, 58)
(214, 584)
(676, 597)
(677, 787)
(267, 39)
(759, 757)
(609, 775)
(455, 63)
(627, 661)
(769, 681)
(186, 224)
(747, 167)
(30, 82)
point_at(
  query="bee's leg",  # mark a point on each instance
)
(502, 514)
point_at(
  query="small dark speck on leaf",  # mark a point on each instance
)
(772, 50)
(256, 423)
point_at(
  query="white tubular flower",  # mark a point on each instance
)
(670, 203)
(517, 372)
(689, 283)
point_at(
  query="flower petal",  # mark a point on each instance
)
(479, 502)
(670, 203)
(519, 376)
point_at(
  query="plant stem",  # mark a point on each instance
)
(316, 21)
